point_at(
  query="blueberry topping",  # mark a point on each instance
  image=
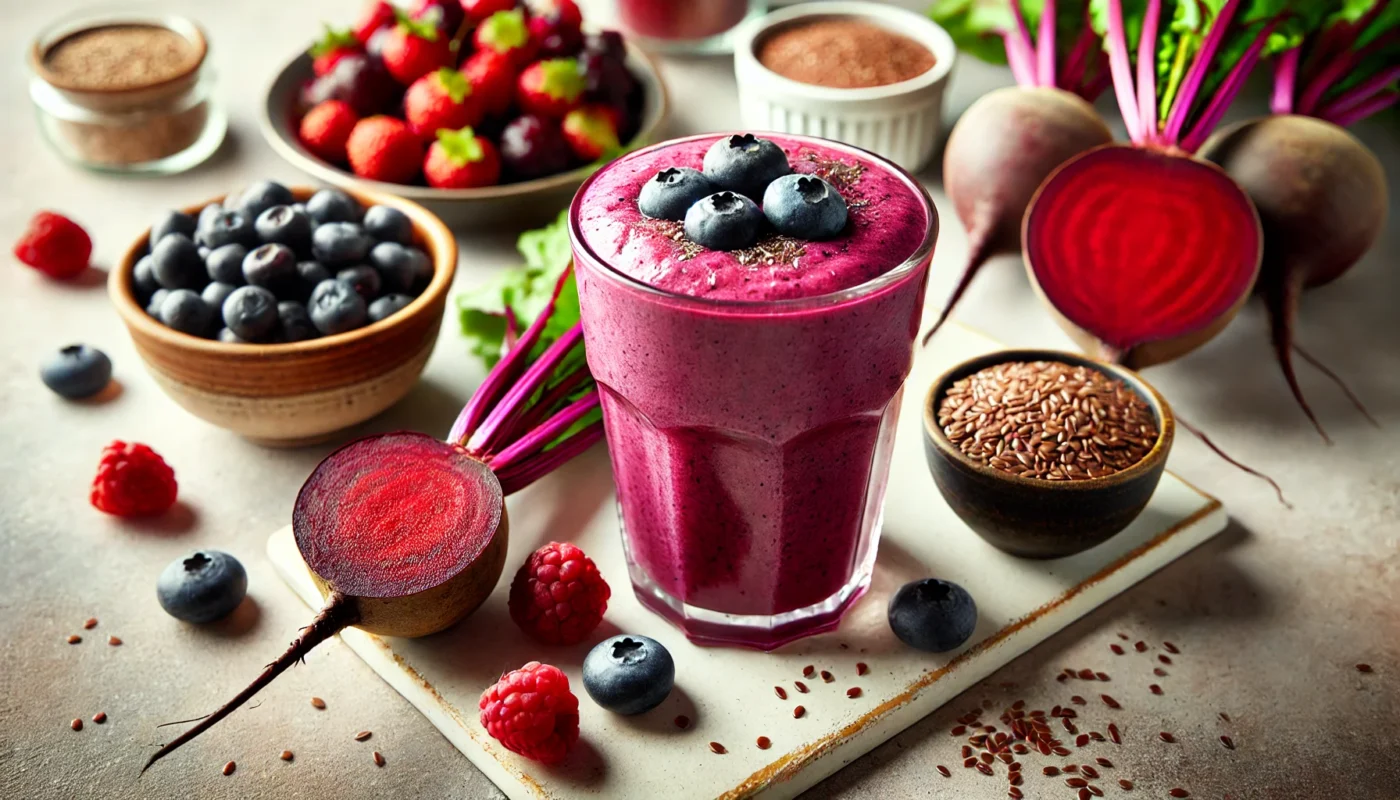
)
(157, 299)
(336, 307)
(405, 270)
(225, 264)
(745, 164)
(176, 264)
(273, 267)
(77, 371)
(388, 306)
(251, 313)
(202, 587)
(332, 205)
(187, 312)
(388, 224)
(628, 674)
(932, 615)
(724, 221)
(172, 222)
(672, 191)
(216, 293)
(365, 279)
(261, 196)
(340, 244)
(285, 225)
(225, 227)
(144, 276)
(294, 322)
(804, 207)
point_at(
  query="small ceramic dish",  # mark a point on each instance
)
(518, 205)
(1036, 518)
(900, 121)
(302, 392)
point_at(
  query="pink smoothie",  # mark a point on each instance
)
(750, 396)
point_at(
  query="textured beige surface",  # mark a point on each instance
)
(1270, 617)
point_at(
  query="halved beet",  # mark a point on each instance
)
(1143, 255)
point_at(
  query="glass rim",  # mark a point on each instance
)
(885, 279)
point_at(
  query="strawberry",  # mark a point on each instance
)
(442, 99)
(591, 131)
(325, 129)
(382, 148)
(462, 160)
(332, 46)
(492, 77)
(377, 14)
(478, 10)
(506, 32)
(565, 12)
(55, 245)
(550, 88)
(414, 48)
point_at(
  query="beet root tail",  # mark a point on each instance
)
(1281, 299)
(1337, 379)
(980, 250)
(338, 613)
(1199, 434)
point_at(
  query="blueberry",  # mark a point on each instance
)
(225, 227)
(745, 164)
(294, 322)
(176, 264)
(332, 205)
(261, 196)
(388, 224)
(336, 307)
(628, 674)
(388, 306)
(229, 337)
(172, 222)
(216, 293)
(273, 267)
(225, 264)
(202, 587)
(300, 207)
(365, 279)
(203, 252)
(187, 312)
(932, 615)
(285, 225)
(723, 221)
(206, 217)
(157, 299)
(405, 270)
(251, 313)
(672, 191)
(77, 371)
(340, 244)
(309, 276)
(804, 207)
(144, 276)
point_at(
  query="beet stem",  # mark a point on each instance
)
(1147, 74)
(338, 613)
(548, 402)
(1225, 95)
(980, 250)
(1337, 379)
(1362, 111)
(537, 466)
(1282, 297)
(512, 330)
(516, 399)
(1199, 434)
(1326, 76)
(1285, 81)
(1118, 65)
(1077, 62)
(1019, 58)
(540, 437)
(1360, 93)
(1196, 75)
(1045, 44)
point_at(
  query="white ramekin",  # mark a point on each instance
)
(900, 121)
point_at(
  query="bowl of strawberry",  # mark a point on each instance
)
(484, 111)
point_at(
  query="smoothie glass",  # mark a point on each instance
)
(751, 439)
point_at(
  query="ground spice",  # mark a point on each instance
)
(843, 54)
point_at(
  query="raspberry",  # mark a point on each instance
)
(532, 712)
(132, 481)
(558, 596)
(54, 245)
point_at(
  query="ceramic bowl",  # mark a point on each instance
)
(302, 392)
(516, 205)
(1036, 518)
(900, 121)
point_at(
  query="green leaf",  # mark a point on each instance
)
(505, 30)
(422, 28)
(457, 86)
(463, 147)
(591, 417)
(561, 78)
(975, 26)
(334, 39)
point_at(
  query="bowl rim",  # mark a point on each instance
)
(914, 25)
(438, 240)
(1166, 428)
(92, 18)
(291, 150)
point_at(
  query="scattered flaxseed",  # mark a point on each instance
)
(1088, 772)
(717, 748)
(1086, 674)
(801, 687)
(1155, 689)
(1162, 657)
(1228, 742)
(1225, 716)
(1109, 701)
(1060, 751)
(1096, 736)
(1050, 771)
(808, 671)
(988, 758)
(378, 759)
(1126, 784)
(958, 731)
(984, 769)
(1077, 700)
(1159, 672)
(114, 641)
(827, 676)
(100, 717)
(1170, 648)
(229, 768)
(1364, 668)
(1084, 794)
(76, 724)
(1076, 782)
(971, 762)
(1140, 646)
(1179, 792)
(944, 771)
(1018, 705)
(1166, 737)
(682, 721)
(1113, 733)
(1014, 793)
(74, 639)
(317, 702)
(780, 692)
(861, 668)
(764, 743)
(1103, 676)
(90, 624)
(853, 692)
(1117, 651)
(966, 750)
(1081, 740)
(1095, 791)
(286, 755)
(362, 735)
(1103, 762)
(1123, 636)
(798, 711)
(1071, 768)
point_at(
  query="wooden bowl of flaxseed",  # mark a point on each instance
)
(1043, 453)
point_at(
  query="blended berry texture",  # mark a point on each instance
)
(751, 440)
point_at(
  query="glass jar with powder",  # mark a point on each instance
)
(126, 91)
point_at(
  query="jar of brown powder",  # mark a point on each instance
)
(126, 92)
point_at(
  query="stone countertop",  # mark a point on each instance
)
(1270, 618)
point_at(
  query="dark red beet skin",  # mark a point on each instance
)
(1145, 255)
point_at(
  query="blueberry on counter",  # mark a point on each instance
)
(187, 312)
(172, 222)
(144, 277)
(672, 191)
(932, 615)
(156, 301)
(225, 264)
(406, 270)
(628, 674)
(251, 313)
(176, 264)
(365, 279)
(225, 227)
(336, 307)
(202, 587)
(77, 371)
(804, 207)
(285, 225)
(745, 164)
(387, 306)
(261, 196)
(271, 266)
(332, 205)
(724, 221)
(294, 322)
(340, 244)
(388, 224)
(216, 293)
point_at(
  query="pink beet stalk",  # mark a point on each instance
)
(1226, 94)
(1196, 75)
(1147, 74)
(1285, 78)
(1121, 69)
(1045, 45)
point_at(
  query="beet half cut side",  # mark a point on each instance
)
(1142, 255)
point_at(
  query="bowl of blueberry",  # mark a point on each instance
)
(285, 315)
(484, 111)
